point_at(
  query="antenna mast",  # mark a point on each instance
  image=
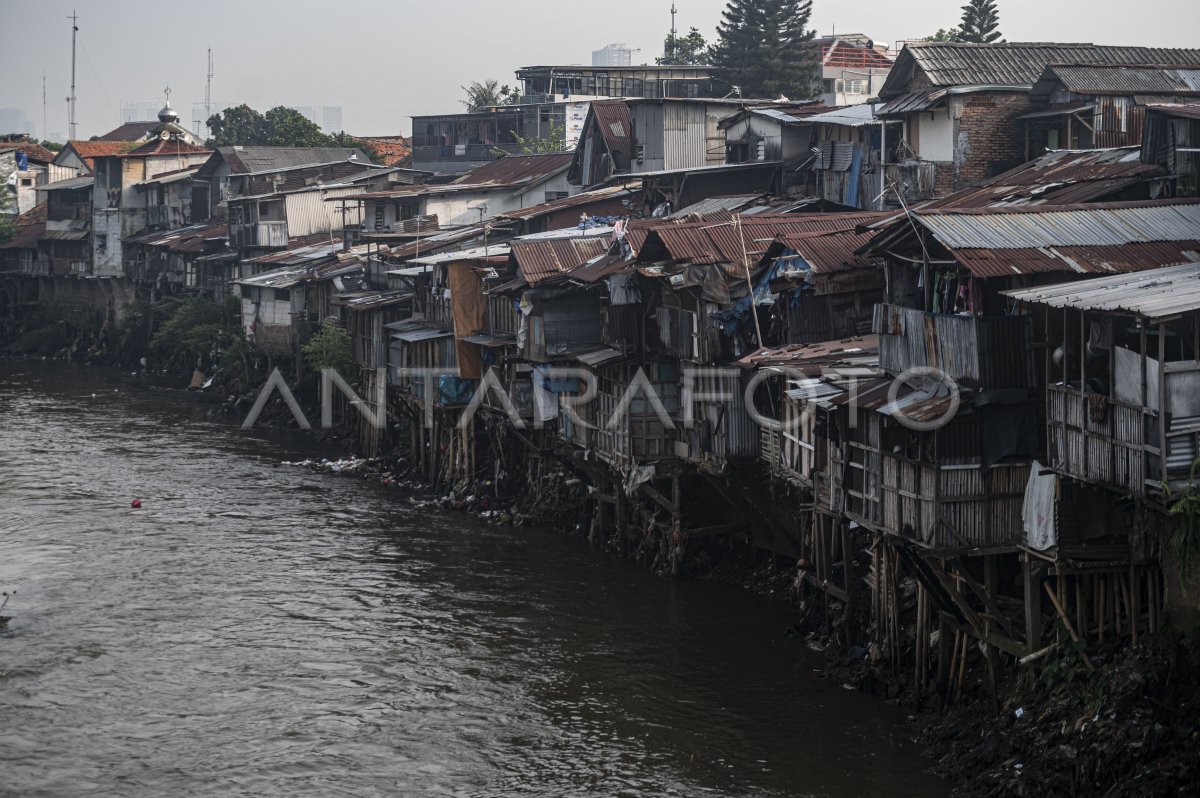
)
(45, 135)
(71, 99)
(208, 93)
(674, 43)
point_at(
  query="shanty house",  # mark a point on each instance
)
(961, 103)
(1082, 106)
(1172, 142)
(853, 162)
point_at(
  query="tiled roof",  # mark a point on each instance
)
(1093, 79)
(87, 150)
(164, 147)
(1016, 64)
(392, 150)
(35, 151)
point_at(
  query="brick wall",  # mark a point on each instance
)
(988, 140)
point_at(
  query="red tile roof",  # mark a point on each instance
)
(392, 150)
(164, 147)
(35, 151)
(87, 150)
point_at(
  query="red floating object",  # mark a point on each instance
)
(136, 503)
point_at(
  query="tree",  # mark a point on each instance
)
(53, 146)
(279, 127)
(330, 348)
(687, 50)
(764, 48)
(980, 22)
(554, 141)
(943, 35)
(489, 93)
(287, 127)
(7, 228)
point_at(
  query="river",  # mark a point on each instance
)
(258, 629)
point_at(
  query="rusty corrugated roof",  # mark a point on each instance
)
(1062, 177)
(540, 260)
(516, 170)
(830, 253)
(722, 242)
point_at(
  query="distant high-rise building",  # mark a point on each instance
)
(613, 55)
(14, 120)
(140, 110)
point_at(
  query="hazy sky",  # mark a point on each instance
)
(385, 61)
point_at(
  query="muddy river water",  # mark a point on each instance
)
(258, 629)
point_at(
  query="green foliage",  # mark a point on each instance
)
(687, 50)
(764, 48)
(1179, 532)
(980, 22)
(555, 141)
(53, 146)
(7, 228)
(198, 327)
(278, 127)
(330, 348)
(489, 93)
(346, 140)
(943, 35)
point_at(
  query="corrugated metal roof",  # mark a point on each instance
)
(539, 260)
(1154, 294)
(615, 124)
(726, 205)
(568, 203)
(475, 253)
(1098, 225)
(1181, 110)
(851, 116)
(1094, 79)
(1011, 63)
(912, 101)
(374, 299)
(1057, 178)
(85, 181)
(277, 278)
(721, 167)
(255, 160)
(1081, 259)
(516, 170)
(722, 242)
(813, 358)
(181, 239)
(830, 253)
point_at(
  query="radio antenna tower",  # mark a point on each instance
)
(71, 99)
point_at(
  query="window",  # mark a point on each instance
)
(102, 243)
(283, 295)
(378, 216)
(551, 196)
(854, 86)
(27, 181)
(264, 209)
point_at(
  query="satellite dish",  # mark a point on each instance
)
(164, 135)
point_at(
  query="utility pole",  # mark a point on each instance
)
(71, 99)
(45, 134)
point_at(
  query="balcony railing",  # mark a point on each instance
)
(261, 234)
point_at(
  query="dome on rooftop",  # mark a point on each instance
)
(167, 114)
